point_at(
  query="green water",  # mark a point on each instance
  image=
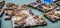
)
(7, 23)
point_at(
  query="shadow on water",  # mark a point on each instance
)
(31, 26)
